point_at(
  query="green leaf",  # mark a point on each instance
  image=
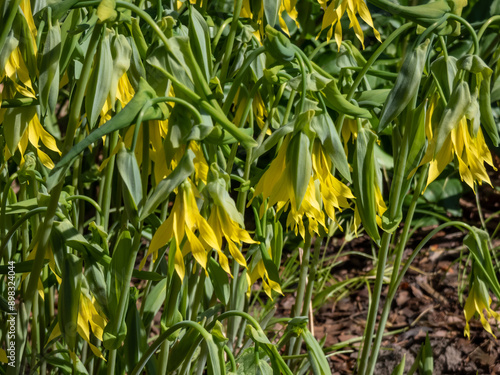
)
(219, 280)
(49, 68)
(315, 353)
(406, 86)
(154, 300)
(121, 53)
(336, 101)
(15, 121)
(364, 181)
(332, 144)
(199, 36)
(299, 161)
(69, 298)
(181, 172)
(124, 118)
(132, 182)
(100, 80)
(399, 369)
(454, 111)
(271, 11)
(426, 366)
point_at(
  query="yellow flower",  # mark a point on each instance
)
(334, 12)
(183, 221)
(379, 206)
(87, 316)
(15, 70)
(224, 226)
(287, 6)
(333, 192)
(349, 129)
(471, 152)
(259, 271)
(33, 133)
(478, 301)
(124, 93)
(323, 190)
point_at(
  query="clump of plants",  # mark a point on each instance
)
(171, 169)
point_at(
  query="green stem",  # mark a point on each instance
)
(487, 24)
(394, 207)
(443, 47)
(164, 336)
(73, 121)
(242, 73)
(19, 102)
(295, 343)
(471, 30)
(231, 358)
(219, 33)
(108, 181)
(7, 26)
(368, 65)
(238, 4)
(372, 312)
(211, 106)
(124, 297)
(86, 199)
(395, 272)
(18, 223)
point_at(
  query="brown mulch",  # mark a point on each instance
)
(429, 301)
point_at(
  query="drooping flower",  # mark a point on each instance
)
(184, 220)
(334, 12)
(324, 191)
(477, 302)
(124, 93)
(34, 132)
(470, 150)
(286, 6)
(89, 320)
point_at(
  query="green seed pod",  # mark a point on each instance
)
(278, 45)
(406, 86)
(364, 181)
(453, 113)
(49, 68)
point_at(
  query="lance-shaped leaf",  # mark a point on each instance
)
(126, 117)
(49, 68)
(100, 81)
(364, 181)
(454, 111)
(300, 165)
(121, 53)
(406, 86)
(132, 183)
(444, 70)
(181, 172)
(199, 36)
(69, 298)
